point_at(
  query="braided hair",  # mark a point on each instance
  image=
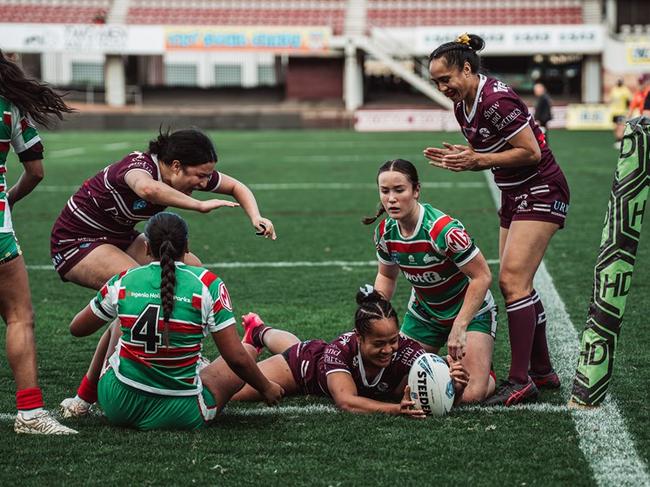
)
(191, 147)
(32, 98)
(166, 233)
(373, 306)
(400, 165)
(460, 51)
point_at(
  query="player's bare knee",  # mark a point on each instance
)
(512, 288)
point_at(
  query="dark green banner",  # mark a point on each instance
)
(614, 265)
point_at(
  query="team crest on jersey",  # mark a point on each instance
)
(394, 257)
(411, 259)
(500, 86)
(485, 133)
(224, 297)
(139, 204)
(457, 240)
(382, 387)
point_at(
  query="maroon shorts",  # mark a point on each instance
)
(541, 200)
(67, 249)
(303, 360)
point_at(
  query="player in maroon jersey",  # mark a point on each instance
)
(503, 137)
(363, 371)
(94, 236)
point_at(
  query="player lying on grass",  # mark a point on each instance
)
(94, 236)
(164, 311)
(450, 280)
(504, 138)
(363, 371)
(22, 100)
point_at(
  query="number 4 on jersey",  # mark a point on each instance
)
(145, 329)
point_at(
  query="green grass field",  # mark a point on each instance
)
(305, 442)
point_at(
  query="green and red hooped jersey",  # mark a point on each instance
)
(19, 133)
(430, 259)
(144, 359)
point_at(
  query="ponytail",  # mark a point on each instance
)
(167, 283)
(463, 50)
(32, 98)
(369, 220)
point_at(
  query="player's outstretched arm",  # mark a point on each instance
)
(242, 364)
(86, 322)
(345, 395)
(246, 198)
(386, 280)
(159, 193)
(480, 277)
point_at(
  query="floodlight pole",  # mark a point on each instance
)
(614, 266)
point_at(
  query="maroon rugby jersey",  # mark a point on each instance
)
(498, 115)
(106, 205)
(342, 355)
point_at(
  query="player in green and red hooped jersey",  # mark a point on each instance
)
(22, 101)
(154, 378)
(94, 237)
(503, 137)
(450, 298)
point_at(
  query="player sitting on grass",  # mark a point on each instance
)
(363, 371)
(450, 296)
(94, 236)
(164, 310)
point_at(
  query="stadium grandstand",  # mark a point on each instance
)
(255, 56)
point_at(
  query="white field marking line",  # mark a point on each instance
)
(77, 151)
(116, 145)
(307, 186)
(272, 265)
(234, 410)
(603, 437)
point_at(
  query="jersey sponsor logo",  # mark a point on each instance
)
(224, 297)
(139, 204)
(500, 86)
(428, 258)
(511, 117)
(457, 240)
(345, 338)
(429, 277)
(394, 257)
(491, 110)
(560, 207)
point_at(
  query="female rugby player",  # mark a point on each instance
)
(363, 371)
(450, 297)
(22, 101)
(503, 137)
(164, 310)
(94, 236)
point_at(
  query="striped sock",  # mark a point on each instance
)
(522, 320)
(540, 360)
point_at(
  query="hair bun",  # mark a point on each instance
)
(476, 43)
(368, 294)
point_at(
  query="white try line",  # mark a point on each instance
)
(48, 188)
(271, 265)
(603, 437)
(233, 409)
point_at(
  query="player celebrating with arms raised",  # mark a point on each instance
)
(94, 236)
(504, 138)
(450, 298)
(164, 310)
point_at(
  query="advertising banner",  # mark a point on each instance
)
(248, 38)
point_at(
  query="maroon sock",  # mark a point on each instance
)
(521, 325)
(87, 390)
(540, 360)
(257, 336)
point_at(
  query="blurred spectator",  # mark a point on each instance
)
(620, 97)
(638, 99)
(543, 113)
(99, 17)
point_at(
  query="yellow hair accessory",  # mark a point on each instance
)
(463, 39)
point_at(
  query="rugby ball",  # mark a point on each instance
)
(431, 386)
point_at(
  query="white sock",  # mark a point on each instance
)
(30, 413)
